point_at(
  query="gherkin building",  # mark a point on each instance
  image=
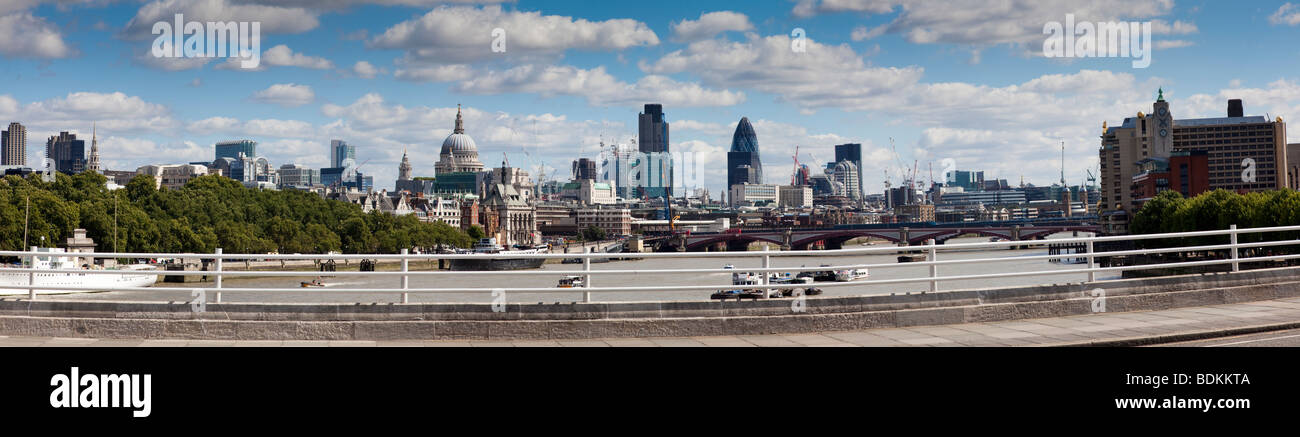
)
(743, 165)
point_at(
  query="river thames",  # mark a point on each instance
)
(721, 279)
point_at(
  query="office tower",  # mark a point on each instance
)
(13, 145)
(232, 149)
(653, 129)
(852, 153)
(584, 168)
(743, 163)
(340, 151)
(68, 153)
(656, 176)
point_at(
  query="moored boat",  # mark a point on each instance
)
(489, 246)
(129, 276)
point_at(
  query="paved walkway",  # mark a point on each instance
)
(1031, 332)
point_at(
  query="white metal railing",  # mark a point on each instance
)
(931, 249)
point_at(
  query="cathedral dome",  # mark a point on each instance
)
(459, 152)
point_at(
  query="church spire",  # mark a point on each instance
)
(460, 122)
(404, 169)
(94, 149)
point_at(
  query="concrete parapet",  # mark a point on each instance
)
(282, 321)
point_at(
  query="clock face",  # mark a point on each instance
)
(1164, 132)
(1163, 111)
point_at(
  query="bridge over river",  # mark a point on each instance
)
(834, 237)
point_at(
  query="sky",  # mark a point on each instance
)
(955, 84)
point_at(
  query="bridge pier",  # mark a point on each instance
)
(737, 245)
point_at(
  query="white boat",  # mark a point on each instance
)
(130, 276)
(571, 282)
(850, 275)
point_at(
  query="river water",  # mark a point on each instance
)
(723, 280)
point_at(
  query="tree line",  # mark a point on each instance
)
(207, 213)
(1169, 212)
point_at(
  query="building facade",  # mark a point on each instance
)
(232, 149)
(797, 196)
(68, 153)
(294, 175)
(1244, 154)
(656, 170)
(852, 153)
(13, 145)
(172, 177)
(341, 152)
(754, 194)
(615, 221)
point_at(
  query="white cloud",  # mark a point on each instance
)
(24, 35)
(1173, 44)
(862, 33)
(979, 22)
(286, 94)
(1287, 14)
(710, 24)
(597, 86)
(279, 56)
(114, 112)
(273, 19)
(822, 76)
(366, 70)
(434, 73)
(465, 34)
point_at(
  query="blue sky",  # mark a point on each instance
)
(950, 81)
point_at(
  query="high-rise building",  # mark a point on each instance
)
(94, 150)
(68, 153)
(340, 151)
(653, 129)
(1245, 153)
(232, 149)
(853, 153)
(618, 163)
(656, 174)
(743, 164)
(845, 180)
(13, 145)
(584, 168)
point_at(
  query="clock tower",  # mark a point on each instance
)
(1162, 129)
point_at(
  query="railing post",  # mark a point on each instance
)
(586, 279)
(1233, 233)
(767, 263)
(406, 279)
(218, 275)
(1092, 275)
(934, 269)
(31, 276)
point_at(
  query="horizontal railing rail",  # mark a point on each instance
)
(1229, 253)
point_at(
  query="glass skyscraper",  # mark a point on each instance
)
(656, 172)
(743, 164)
(232, 149)
(339, 151)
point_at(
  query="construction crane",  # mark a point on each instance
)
(794, 179)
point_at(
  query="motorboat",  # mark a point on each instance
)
(850, 275)
(571, 282)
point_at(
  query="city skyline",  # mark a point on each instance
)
(944, 86)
